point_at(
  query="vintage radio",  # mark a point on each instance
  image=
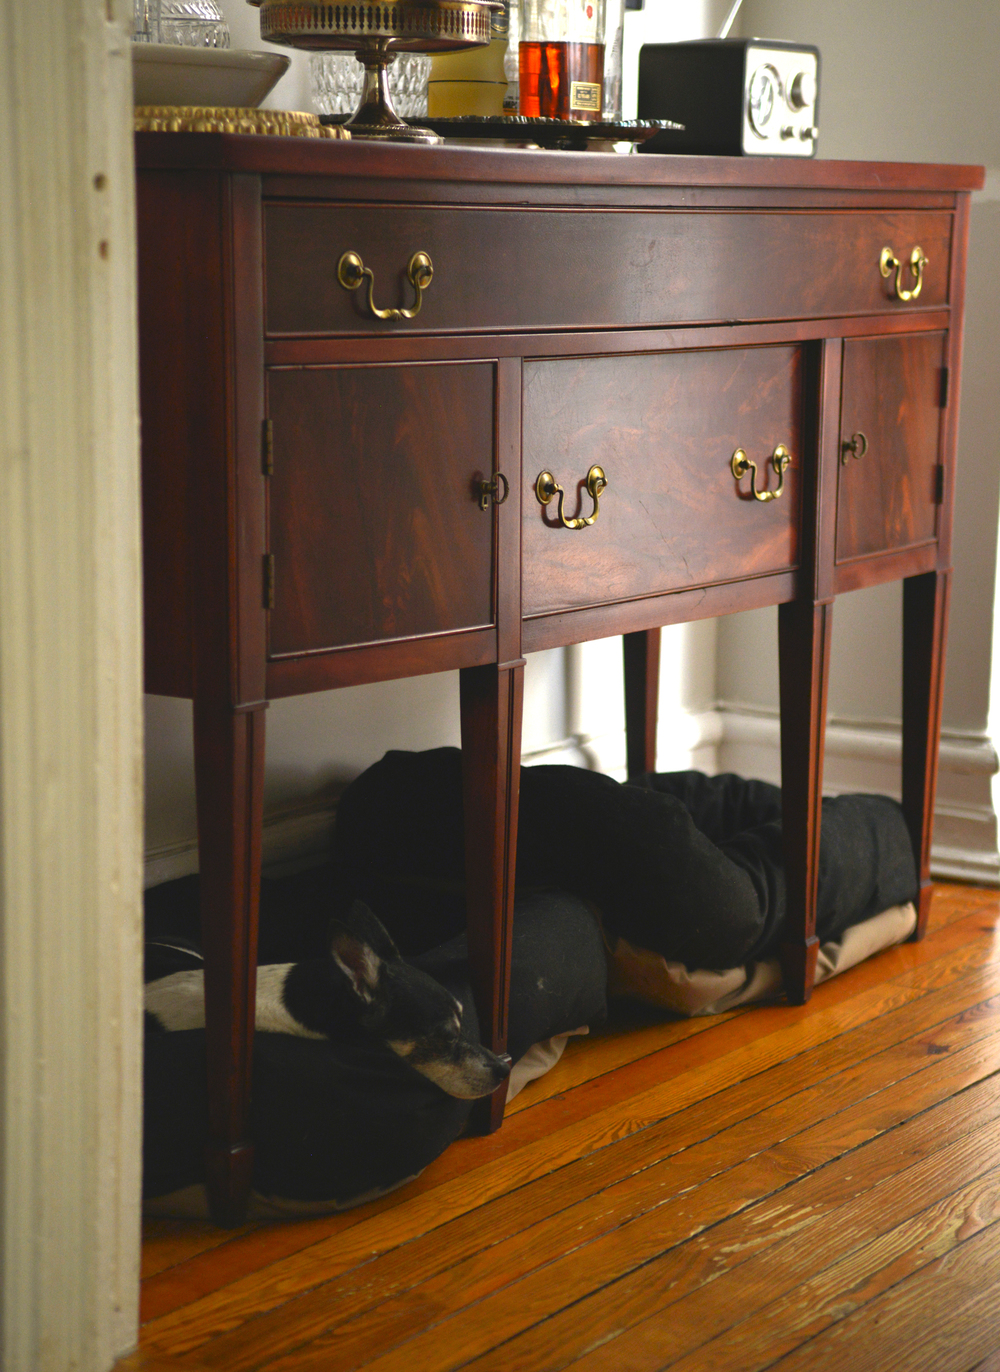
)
(734, 96)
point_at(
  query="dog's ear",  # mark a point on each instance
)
(359, 962)
(360, 921)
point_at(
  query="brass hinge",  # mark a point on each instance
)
(945, 382)
(939, 484)
(269, 581)
(267, 448)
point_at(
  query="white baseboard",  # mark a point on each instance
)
(865, 756)
(291, 836)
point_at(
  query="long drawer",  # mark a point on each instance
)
(495, 269)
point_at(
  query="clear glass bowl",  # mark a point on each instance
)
(182, 23)
(336, 79)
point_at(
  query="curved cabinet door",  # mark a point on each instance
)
(664, 427)
(890, 435)
(374, 521)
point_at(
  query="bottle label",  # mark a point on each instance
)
(585, 96)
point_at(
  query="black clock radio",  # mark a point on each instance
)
(734, 96)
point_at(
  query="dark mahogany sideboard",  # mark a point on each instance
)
(745, 369)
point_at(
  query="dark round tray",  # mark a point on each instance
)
(565, 134)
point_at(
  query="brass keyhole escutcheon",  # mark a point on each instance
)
(351, 272)
(547, 488)
(856, 446)
(497, 489)
(888, 263)
(780, 459)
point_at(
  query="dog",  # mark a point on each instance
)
(362, 987)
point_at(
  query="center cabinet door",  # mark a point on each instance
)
(374, 520)
(664, 427)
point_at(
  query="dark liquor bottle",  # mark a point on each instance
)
(561, 80)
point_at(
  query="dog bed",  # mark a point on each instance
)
(336, 1124)
(686, 866)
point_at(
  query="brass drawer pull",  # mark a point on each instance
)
(351, 271)
(546, 488)
(855, 446)
(889, 263)
(781, 460)
(485, 489)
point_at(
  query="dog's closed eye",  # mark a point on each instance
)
(404, 1047)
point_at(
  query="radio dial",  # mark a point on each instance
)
(802, 91)
(762, 96)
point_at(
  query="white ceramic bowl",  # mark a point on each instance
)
(163, 74)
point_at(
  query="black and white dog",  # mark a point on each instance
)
(362, 987)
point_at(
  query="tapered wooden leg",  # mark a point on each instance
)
(804, 654)
(229, 783)
(641, 653)
(925, 633)
(492, 699)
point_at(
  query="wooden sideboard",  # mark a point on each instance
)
(331, 497)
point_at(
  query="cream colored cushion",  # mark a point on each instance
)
(670, 985)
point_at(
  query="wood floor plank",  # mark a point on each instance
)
(909, 1217)
(198, 1318)
(631, 1308)
(686, 1208)
(942, 1319)
(851, 1283)
(166, 1243)
(458, 1267)
(952, 900)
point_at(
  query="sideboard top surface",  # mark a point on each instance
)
(276, 156)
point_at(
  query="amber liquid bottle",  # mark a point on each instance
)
(561, 80)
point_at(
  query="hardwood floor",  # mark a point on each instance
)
(814, 1188)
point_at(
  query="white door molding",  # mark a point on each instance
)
(70, 691)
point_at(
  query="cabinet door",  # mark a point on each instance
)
(890, 423)
(664, 427)
(374, 522)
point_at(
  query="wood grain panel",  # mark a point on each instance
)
(664, 427)
(892, 392)
(636, 268)
(375, 525)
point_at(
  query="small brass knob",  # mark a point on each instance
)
(855, 446)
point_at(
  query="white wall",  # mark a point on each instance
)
(907, 80)
(292, 91)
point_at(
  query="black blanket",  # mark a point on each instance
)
(687, 865)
